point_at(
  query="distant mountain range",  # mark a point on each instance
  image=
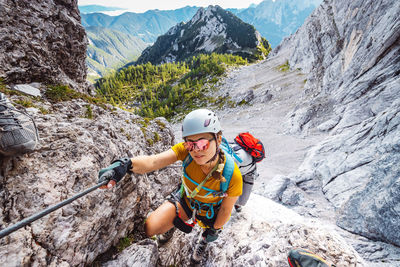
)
(272, 19)
(210, 30)
(126, 36)
(277, 19)
(147, 26)
(110, 49)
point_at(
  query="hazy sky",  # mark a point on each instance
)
(143, 5)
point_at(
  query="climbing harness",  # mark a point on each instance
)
(208, 207)
(179, 223)
(199, 186)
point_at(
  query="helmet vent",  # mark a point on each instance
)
(207, 122)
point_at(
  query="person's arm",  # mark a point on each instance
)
(144, 164)
(225, 211)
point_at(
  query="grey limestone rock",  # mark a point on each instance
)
(27, 89)
(267, 96)
(142, 254)
(329, 124)
(71, 152)
(262, 235)
(42, 41)
(351, 52)
(256, 236)
(351, 57)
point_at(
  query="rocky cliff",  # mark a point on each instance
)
(42, 41)
(345, 60)
(72, 149)
(210, 30)
(262, 235)
(351, 53)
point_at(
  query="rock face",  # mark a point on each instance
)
(42, 41)
(142, 254)
(72, 150)
(351, 51)
(210, 30)
(255, 237)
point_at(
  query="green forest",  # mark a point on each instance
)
(168, 89)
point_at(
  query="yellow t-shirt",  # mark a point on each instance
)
(194, 171)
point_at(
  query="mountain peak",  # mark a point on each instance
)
(203, 14)
(211, 29)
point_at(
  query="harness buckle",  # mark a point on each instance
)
(220, 194)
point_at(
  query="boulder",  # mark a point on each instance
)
(27, 89)
(42, 41)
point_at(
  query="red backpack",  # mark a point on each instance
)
(251, 145)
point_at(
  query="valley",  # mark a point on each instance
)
(273, 20)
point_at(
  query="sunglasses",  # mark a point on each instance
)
(201, 144)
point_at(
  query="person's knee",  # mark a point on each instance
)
(160, 220)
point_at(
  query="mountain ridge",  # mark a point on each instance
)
(109, 49)
(273, 19)
(141, 24)
(267, 17)
(210, 30)
(277, 19)
(145, 26)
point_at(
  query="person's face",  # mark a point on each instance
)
(201, 147)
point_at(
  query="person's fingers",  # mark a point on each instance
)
(110, 184)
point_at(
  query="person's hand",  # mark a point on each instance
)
(109, 185)
(211, 234)
(115, 172)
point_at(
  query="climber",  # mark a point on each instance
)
(211, 182)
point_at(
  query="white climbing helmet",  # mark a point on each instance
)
(200, 121)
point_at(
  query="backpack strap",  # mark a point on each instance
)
(227, 172)
(187, 161)
(228, 149)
